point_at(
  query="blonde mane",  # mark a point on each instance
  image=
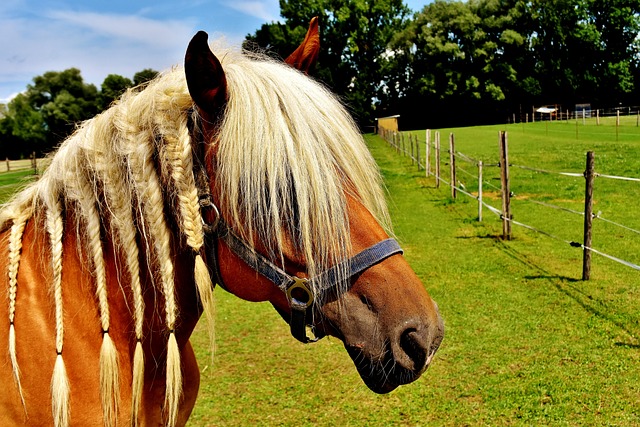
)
(286, 154)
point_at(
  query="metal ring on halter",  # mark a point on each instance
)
(299, 293)
(207, 203)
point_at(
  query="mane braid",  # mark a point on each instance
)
(115, 164)
(59, 381)
(15, 248)
(109, 384)
(178, 154)
(148, 186)
(287, 158)
(110, 168)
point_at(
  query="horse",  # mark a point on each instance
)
(234, 170)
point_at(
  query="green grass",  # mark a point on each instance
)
(11, 182)
(526, 342)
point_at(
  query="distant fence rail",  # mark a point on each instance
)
(22, 164)
(409, 145)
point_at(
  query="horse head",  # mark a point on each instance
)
(358, 287)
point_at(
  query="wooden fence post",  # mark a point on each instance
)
(427, 165)
(417, 151)
(480, 190)
(8, 165)
(504, 180)
(437, 159)
(413, 153)
(597, 117)
(617, 123)
(452, 164)
(589, 175)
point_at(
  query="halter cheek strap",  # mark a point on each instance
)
(301, 292)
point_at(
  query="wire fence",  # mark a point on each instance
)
(586, 123)
(463, 167)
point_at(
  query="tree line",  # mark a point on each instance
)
(457, 63)
(453, 63)
(42, 116)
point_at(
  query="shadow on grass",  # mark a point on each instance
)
(486, 236)
(566, 285)
(627, 345)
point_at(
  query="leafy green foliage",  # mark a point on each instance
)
(354, 36)
(465, 62)
(112, 87)
(144, 76)
(41, 117)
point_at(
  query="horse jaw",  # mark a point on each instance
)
(387, 321)
(389, 325)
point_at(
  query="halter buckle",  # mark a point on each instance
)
(299, 293)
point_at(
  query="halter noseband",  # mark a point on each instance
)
(299, 291)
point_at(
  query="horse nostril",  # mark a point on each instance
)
(415, 348)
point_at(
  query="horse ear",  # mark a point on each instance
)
(306, 55)
(205, 78)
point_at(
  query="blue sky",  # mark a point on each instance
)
(116, 36)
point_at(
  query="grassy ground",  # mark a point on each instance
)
(11, 182)
(526, 342)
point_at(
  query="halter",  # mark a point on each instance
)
(298, 290)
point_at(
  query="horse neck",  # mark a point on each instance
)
(188, 308)
(121, 294)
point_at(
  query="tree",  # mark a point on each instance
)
(617, 23)
(354, 39)
(11, 144)
(460, 62)
(144, 76)
(23, 126)
(112, 88)
(480, 59)
(62, 98)
(52, 105)
(45, 114)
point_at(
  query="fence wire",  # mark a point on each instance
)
(623, 178)
(547, 171)
(498, 212)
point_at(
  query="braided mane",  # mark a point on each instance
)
(287, 152)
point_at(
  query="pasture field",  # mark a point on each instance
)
(526, 342)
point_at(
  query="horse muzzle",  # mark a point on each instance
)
(403, 358)
(391, 342)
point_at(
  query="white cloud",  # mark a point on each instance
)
(97, 44)
(263, 10)
(8, 99)
(36, 37)
(126, 27)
